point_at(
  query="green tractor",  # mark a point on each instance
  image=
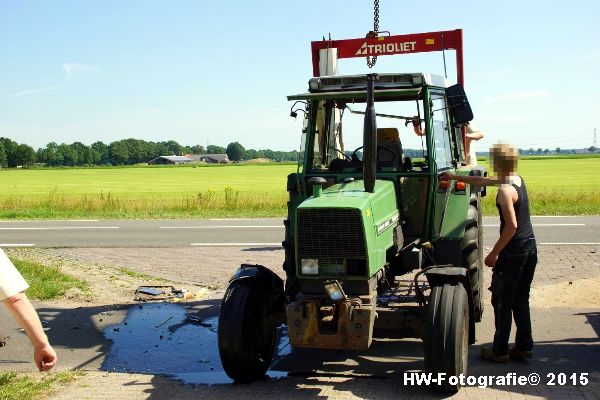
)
(374, 243)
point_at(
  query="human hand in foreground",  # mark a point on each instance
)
(446, 176)
(45, 357)
(491, 259)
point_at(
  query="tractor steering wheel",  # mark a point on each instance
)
(341, 152)
(355, 157)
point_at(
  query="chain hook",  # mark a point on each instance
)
(372, 60)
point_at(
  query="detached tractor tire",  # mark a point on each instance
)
(446, 339)
(246, 332)
(472, 254)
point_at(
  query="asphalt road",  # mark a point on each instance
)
(235, 232)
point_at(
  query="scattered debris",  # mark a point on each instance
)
(594, 251)
(198, 321)
(164, 322)
(3, 340)
(150, 290)
(151, 293)
(186, 295)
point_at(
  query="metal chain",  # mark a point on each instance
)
(372, 60)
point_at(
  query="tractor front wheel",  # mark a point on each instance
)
(447, 333)
(247, 332)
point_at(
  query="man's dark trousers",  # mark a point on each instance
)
(511, 282)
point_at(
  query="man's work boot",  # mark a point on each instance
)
(520, 355)
(488, 354)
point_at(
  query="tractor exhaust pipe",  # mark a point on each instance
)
(370, 137)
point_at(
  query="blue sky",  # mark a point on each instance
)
(214, 72)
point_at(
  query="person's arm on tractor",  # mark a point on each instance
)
(507, 196)
(416, 123)
(471, 180)
(474, 136)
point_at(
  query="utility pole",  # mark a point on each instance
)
(595, 141)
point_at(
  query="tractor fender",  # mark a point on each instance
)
(259, 275)
(255, 271)
(438, 275)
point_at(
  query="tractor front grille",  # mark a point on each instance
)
(331, 235)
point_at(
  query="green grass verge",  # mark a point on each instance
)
(47, 282)
(15, 386)
(557, 185)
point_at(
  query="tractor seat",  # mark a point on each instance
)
(389, 148)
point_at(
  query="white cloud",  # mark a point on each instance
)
(33, 91)
(72, 69)
(522, 95)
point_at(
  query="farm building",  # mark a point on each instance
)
(209, 158)
(170, 160)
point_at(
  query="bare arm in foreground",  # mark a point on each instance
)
(26, 316)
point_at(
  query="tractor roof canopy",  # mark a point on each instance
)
(387, 86)
(360, 96)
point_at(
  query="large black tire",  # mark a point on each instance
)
(246, 334)
(447, 333)
(472, 254)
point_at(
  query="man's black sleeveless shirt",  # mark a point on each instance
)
(523, 239)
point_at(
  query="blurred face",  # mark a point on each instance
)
(504, 158)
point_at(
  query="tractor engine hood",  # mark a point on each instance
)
(345, 226)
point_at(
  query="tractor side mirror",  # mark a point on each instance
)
(458, 104)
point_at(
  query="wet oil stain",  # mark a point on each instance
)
(162, 338)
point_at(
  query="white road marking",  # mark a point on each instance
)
(492, 225)
(48, 220)
(54, 228)
(543, 216)
(565, 243)
(17, 244)
(238, 219)
(237, 244)
(558, 216)
(222, 227)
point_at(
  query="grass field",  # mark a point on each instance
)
(557, 186)
(561, 186)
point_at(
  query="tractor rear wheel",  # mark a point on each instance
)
(446, 339)
(247, 332)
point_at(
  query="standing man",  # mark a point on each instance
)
(12, 286)
(513, 257)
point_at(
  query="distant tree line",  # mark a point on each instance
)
(546, 152)
(135, 151)
(121, 152)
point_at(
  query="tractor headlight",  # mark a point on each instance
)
(309, 266)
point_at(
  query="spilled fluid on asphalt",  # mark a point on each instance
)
(160, 338)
